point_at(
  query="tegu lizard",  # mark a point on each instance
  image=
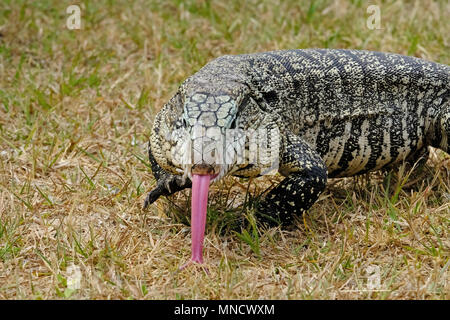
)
(323, 113)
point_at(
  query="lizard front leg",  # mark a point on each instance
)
(166, 183)
(306, 178)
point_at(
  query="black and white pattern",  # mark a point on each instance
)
(338, 112)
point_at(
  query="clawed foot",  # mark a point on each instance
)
(168, 184)
(153, 195)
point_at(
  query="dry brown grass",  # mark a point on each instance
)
(75, 113)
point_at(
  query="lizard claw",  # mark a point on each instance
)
(166, 186)
(152, 196)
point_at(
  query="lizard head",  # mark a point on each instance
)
(214, 129)
(210, 120)
(199, 129)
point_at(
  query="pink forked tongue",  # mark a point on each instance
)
(200, 188)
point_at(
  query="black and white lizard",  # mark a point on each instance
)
(330, 113)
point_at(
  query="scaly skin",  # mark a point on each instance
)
(338, 113)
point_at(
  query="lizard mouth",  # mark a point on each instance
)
(216, 172)
(203, 169)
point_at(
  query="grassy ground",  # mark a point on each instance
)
(76, 107)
